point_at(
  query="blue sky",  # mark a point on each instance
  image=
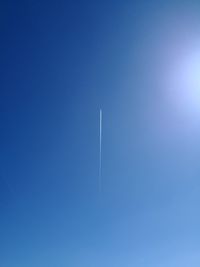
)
(61, 61)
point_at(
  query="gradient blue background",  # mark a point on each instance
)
(61, 61)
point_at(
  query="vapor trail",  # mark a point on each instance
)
(100, 147)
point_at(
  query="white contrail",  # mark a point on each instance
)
(100, 147)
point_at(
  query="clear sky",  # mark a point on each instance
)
(61, 61)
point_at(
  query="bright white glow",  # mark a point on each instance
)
(185, 81)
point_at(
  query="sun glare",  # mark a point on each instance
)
(184, 81)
